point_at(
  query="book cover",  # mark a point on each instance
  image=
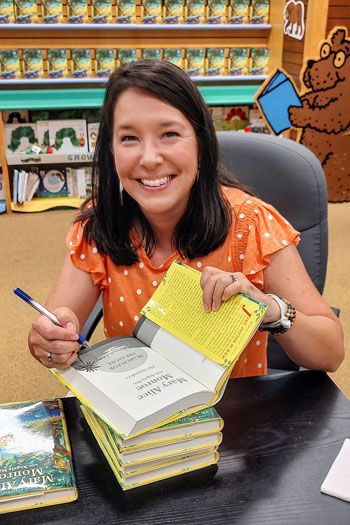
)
(173, 55)
(101, 12)
(195, 61)
(32, 63)
(215, 61)
(259, 61)
(177, 362)
(151, 12)
(9, 64)
(26, 11)
(81, 63)
(195, 11)
(104, 62)
(19, 137)
(238, 63)
(125, 12)
(77, 11)
(216, 11)
(57, 64)
(276, 95)
(126, 55)
(32, 185)
(143, 476)
(238, 12)
(7, 14)
(173, 12)
(35, 457)
(259, 11)
(52, 12)
(68, 136)
(92, 129)
(53, 183)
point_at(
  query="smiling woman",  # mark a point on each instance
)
(159, 194)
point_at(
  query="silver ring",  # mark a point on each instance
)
(233, 277)
(49, 357)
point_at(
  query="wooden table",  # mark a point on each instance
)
(281, 435)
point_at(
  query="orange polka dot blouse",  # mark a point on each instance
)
(257, 231)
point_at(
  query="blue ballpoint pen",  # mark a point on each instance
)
(41, 309)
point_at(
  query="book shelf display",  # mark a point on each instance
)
(67, 93)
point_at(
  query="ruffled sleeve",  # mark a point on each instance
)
(86, 256)
(261, 231)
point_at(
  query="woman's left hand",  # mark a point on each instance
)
(218, 286)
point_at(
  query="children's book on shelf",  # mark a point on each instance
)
(125, 12)
(7, 14)
(26, 11)
(137, 474)
(173, 12)
(151, 12)
(2, 195)
(53, 183)
(52, 12)
(77, 11)
(19, 137)
(177, 361)
(238, 12)
(35, 456)
(104, 62)
(216, 12)
(274, 98)
(32, 63)
(9, 64)
(101, 12)
(57, 65)
(92, 129)
(81, 63)
(68, 136)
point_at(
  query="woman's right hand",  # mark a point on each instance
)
(49, 340)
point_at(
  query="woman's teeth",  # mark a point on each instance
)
(157, 182)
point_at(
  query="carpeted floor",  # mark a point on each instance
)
(32, 252)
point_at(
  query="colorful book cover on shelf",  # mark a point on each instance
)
(195, 12)
(9, 64)
(176, 363)
(215, 61)
(173, 55)
(195, 61)
(125, 12)
(238, 12)
(126, 55)
(35, 456)
(68, 136)
(216, 11)
(151, 53)
(105, 62)
(93, 128)
(151, 12)
(26, 11)
(19, 137)
(81, 63)
(77, 11)
(238, 62)
(53, 183)
(19, 116)
(101, 11)
(259, 61)
(7, 14)
(173, 12)
(32, 63)
(57, 64)
(259, 11)
(52, 12)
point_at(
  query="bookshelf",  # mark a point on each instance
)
(44, 93)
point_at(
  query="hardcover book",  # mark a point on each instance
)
(35, 457)
(133, 476)
(177, 362)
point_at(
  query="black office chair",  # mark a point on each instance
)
(290, 177)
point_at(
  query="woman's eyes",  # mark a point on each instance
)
(128, 138)
(167, 134)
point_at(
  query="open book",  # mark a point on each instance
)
(177, 362)
(276, 95)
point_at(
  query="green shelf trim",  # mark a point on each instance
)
(93, 97)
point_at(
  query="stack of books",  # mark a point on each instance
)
(186, 444)
(144, 395)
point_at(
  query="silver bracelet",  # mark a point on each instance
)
(285, 322)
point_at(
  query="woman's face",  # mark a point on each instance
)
(155, 153)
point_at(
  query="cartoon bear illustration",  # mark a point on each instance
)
(325, 113)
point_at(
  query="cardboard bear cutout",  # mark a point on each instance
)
(322, 112)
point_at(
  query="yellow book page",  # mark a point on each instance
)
(221, 336)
